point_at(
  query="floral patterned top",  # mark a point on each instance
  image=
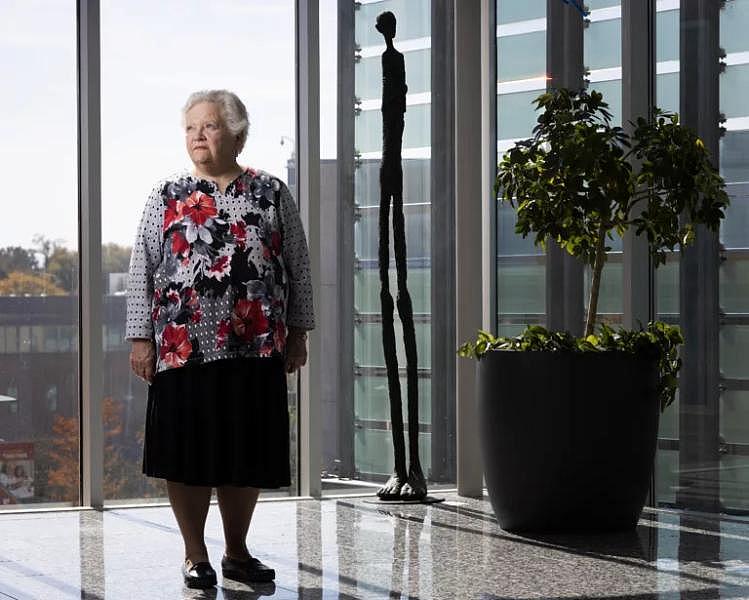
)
(218, 275)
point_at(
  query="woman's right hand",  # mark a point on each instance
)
(143, 359)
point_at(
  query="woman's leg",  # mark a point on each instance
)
(236, 505)
(190, 505)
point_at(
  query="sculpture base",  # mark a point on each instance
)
(424, 500)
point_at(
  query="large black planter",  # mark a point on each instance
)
(568, 439)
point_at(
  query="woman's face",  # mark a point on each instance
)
(209, 142)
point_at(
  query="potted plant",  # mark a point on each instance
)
(569, 425)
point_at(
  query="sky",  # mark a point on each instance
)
(153, 55)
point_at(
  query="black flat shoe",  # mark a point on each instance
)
(251, 570)
(199, 575)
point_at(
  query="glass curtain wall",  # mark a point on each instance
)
(373, 447)
(39, 415)
(521, 77)
(144, 86)
(602, 51)
(667, 275)
(734, 270)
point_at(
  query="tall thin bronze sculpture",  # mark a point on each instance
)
(402, 483)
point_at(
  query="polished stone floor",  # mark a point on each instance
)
(351, 548)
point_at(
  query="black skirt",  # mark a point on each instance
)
(224, 422)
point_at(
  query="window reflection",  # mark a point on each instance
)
(39, 421)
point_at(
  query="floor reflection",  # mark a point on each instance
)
(349, 548)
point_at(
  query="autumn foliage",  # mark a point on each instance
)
(122, 475)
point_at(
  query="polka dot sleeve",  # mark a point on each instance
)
(144, 260)
(299, 312)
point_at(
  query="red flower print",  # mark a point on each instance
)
(172, 296)
(220, 268)
(199, 207)
(180, 245)
(275, 242)
(239, 231)
(224, 328)
(248, 320)
(175, 347)
(173, 213)
(279, 336)
(196, 316)
(190, 298)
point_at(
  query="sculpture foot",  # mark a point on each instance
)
(392, 488)
(416, 485)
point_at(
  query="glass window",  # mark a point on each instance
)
(733, 84)
(667, 36)
(520, 265)
(734, 22)
(667, 92)
(521, 56)
(417, 132)
(612, 93)
(136, 153)
(417, 226)
(603, 44)
(734, 160)
(39, 439)
(667, 276)
(414, 20)
(510, 11)
(521, 284)
(369, 74)
(521, 268)
(734, 236)
(516, 114)
(371, 434)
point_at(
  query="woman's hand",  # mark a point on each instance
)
(296, 349)
(143, 359)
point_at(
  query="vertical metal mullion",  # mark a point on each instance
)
(638, 100)
(89, 231)
(469, 205)
(489, 163)
(345, 217)
(564, 64)
(442, 223)
(698, 275)
(308, 190)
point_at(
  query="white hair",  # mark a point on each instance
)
(231, 108)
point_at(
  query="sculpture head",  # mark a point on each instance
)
(386, 25)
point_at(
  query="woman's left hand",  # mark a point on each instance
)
(296, 350)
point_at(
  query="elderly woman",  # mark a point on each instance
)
(219, 302)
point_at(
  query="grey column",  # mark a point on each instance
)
(443, 243)
(638, 100)
(470, 201)
(489, 163)
(308, 196)
(345, 234)
(698, 277)
(89, 235)
(564, 64)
